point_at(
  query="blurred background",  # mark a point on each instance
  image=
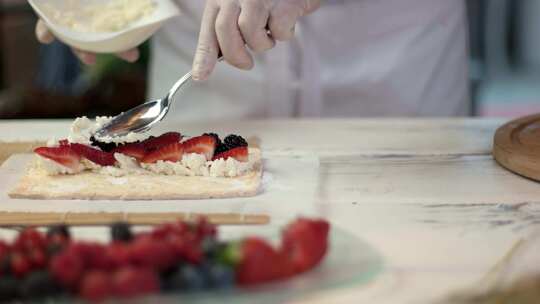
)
(39, 81)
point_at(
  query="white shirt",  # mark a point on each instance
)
(349, 58)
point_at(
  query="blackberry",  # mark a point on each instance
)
(234, 141)
(121, 232)
(9, 288)
(107, 147)
(220, 149)
(38, 284)
(61, 230)
(215, 136)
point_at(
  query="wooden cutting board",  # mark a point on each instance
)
(516, 146)
(9, 148)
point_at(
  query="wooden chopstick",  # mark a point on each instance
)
(105, 218)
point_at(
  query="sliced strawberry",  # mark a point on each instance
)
(260, 262)
(94, 155)
(63, 155)
(135, 150)
(172, 152)
(204, 144)
(239, 153)
(305, 242)
(154, 143)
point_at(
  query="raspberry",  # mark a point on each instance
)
(205, 229)
(152, 253)
(133, 281)
(92, 254)
(234, 141)
(96, 285)
(117, 254)
(29, 239)
(20, 264)
(67, 268)
(38, 258)
(187, 248)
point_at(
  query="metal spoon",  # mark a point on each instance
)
(143, 117)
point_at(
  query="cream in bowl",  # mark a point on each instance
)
(104, 26)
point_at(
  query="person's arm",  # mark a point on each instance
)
(231, 26)
(45, 36)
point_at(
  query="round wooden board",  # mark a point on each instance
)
(517, 146)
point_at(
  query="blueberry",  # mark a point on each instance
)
(221, 276)
(60, 229)
(188, 278)
(8, 288)
(121, 232)
(38, 284)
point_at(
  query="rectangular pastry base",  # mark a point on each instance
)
(36, 184)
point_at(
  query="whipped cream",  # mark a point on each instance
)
(110, 16)
(83, 128)
(54, 168)
(191, 164)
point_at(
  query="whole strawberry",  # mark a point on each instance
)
(305, 242)
(260, 262)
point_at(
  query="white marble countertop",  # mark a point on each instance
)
(425, 192)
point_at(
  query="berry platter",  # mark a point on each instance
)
(187, 262)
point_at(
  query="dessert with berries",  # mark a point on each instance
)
(172, 258)
(133, 166)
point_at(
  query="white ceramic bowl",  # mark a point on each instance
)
(106, 42)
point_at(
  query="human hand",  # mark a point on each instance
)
(231, 25)
(45, 36)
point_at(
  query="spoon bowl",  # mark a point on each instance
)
(138, 119)
(142, 117)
